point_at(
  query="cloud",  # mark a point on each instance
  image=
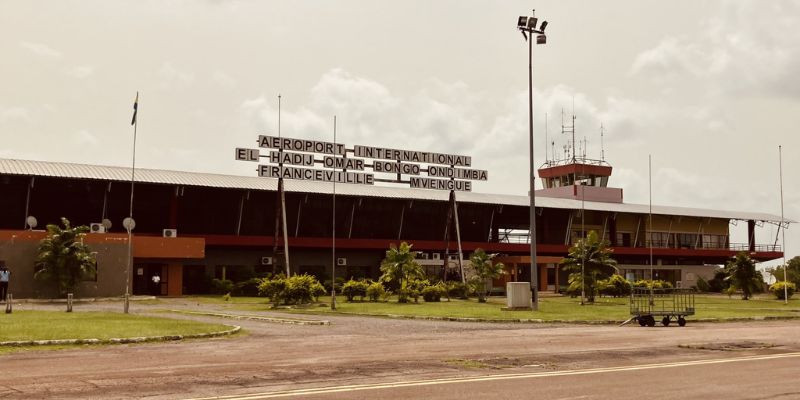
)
(80, 72)
(747, 47)
(14, 114)
(83, 138)
(170, 75)
(223, 80)
(40, 50)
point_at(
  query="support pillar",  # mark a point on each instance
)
(751, 235)
(174, 279)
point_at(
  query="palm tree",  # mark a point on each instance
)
(484, 270)
(743, 275)
(63, 257)
(597, 264)
(399, 267)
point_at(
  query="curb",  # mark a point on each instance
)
(256, 318)
(82, 300)
(561, 321)
(142, 339)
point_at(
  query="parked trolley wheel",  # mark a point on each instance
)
(642, 321)
(681, 321)
(665, 321)
(651, 321)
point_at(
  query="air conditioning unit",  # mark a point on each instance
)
(266, 260)
(341, 261)
(97, 228)
(436, 256)
(423, 256)
(170, 233)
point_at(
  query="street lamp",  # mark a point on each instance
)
(527, 26)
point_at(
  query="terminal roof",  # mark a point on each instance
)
(123, 174)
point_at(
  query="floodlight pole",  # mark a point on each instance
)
(528, 32)
(126, 302)
(783, 232)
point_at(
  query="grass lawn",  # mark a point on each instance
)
(47, 325)
(550, 308)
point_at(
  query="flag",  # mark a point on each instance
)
(135, 108)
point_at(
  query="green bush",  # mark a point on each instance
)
(297, 289)
(778, 290)
(353, 288)
(702, 285)
(317, 290)
(376, 291)
(648, 284)
(456, 289)
(246, 288)
(433, 293)
(222, 286)
(615, 286)
(328, 284)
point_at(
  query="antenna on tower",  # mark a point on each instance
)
(569, 129)
(602, 149)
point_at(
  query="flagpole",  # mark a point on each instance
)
(333, 223)
(130, 214)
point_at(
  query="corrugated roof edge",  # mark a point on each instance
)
(116, 173)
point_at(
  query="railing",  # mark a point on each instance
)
(522, 237)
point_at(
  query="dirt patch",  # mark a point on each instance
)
(729, 346)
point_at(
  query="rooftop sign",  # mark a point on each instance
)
(314, 160)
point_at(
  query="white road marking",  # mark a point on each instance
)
(443, 381)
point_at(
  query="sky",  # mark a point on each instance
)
(708, 89)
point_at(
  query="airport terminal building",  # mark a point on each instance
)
(191, 227)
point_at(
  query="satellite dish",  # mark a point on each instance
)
(31, 221)
(129, 223)
(106, 223)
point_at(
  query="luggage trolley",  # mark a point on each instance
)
(669, 304)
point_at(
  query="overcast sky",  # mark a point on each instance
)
(710, 89)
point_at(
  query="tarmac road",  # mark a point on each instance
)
(360, 350)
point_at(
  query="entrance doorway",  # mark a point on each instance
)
(145, 281)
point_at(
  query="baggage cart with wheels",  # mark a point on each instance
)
(666, 305)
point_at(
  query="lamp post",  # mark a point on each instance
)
(527, 26)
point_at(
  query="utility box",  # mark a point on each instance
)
(518, 296)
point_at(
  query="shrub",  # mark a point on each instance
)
(648, 284)
(433, 293)
(615, 286)
(375, 291)
(297, 289)
(702, 285)
(317, 290)
(778, 290)
(456, 289)
(353, 288)
(329, 285)
(222, 286)
(246, 288)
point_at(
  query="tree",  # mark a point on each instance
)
(792, 270)
(399, 267)
(63, 258)
(597, 264)
(484, 270)
(742, 275)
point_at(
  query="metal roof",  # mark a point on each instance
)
(111, 173)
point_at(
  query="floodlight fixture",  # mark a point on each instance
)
(544, 25)
(541, 39)
(522, 21)
(532, 22)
